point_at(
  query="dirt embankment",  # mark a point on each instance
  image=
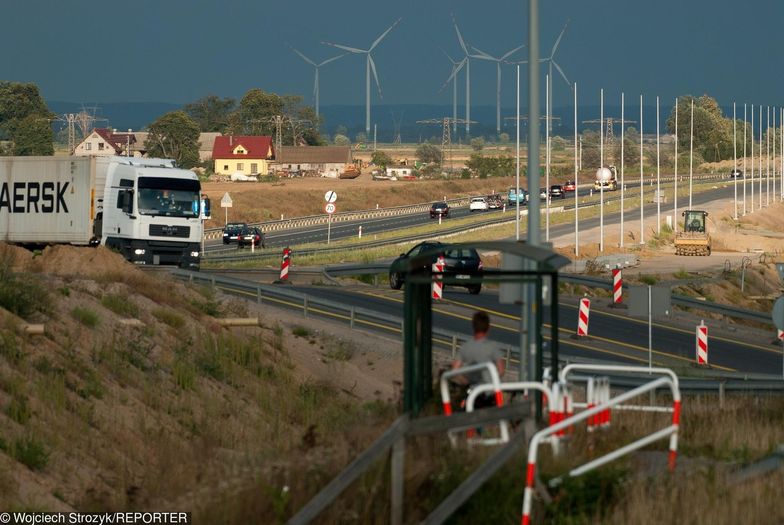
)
(137, 398)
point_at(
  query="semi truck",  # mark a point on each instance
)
(607, 178)
(148, 210)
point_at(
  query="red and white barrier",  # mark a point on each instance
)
(582, 317)
(701, 344)
(780, 335)
(284, 264)
(438, 285)
(617, 286)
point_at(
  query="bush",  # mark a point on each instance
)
(168, 317)
(20, 294)
(121, 305)
(86, 316)
(31, 452)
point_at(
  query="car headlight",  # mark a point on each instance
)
(194, 254)
(139, 251)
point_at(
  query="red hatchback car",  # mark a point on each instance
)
(569, 186)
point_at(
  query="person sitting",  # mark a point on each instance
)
(479, 350)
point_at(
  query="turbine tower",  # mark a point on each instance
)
(456, 67)
(369, 65)
(316, 81)
(481, 55)
(467, 61)
(551, 62)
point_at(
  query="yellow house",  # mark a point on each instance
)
(243, 155)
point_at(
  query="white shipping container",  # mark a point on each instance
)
(47, 199)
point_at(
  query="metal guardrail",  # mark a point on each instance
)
(310, 220)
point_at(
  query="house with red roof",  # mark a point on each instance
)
(242, 154)
(105, 142)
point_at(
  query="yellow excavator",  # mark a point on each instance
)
(694, 239)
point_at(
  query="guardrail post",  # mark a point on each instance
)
(352, 319)
(454, 346)
(375, 280)
(721, 395)
(305, 306)
(190, 278)
(213, 281)
(396, 482)
(258, 294)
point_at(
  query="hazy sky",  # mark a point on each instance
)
(180, 50)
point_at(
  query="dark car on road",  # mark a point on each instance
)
(251, 236)
(459, 263)
(736, 174)
(232, 231)
(557, 191)
(439, 208)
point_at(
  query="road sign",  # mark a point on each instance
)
(778, 313)
(329, 208)
(330, 197)
(226, 201)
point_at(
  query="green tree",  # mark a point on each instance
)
(255, 113)
(712, 131)
(341, 130)
(174, 136)
(478, 144)
(341, 140)
(17, 102)
(361, 137)
(429, 153)
(503, 138)
(211, 113)
(33, 136)
(381, 159)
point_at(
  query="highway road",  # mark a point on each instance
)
(613, 335)
(318, 233)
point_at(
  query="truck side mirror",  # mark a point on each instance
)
(127, 201)
(205, 208)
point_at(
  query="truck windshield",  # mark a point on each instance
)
(168, 196)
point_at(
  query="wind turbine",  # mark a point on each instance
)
(456, 67)
(467, 62)
(551, 62)
(481, 55)
(369, 65)
(316, 67)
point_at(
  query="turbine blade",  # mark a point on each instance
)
(375, 75)
(306, 59)
(454, 62)
(459, 36)
(455, 70)
(385, 33)
(558, 41)
(345, 48)
(482, 55)
(561, 72)
(327, 61)
(512, 52)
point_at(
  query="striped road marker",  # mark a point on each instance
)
(582, 317)
(702, 343)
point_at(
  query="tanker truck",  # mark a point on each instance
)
(606, 178)
(146, 209)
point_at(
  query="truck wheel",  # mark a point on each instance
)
(474, 289)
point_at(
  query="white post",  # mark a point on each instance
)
(547, 81)
(735, 158)
(691, 150)
(759, 162)
(767, 159)
(744, 159)
(601, 166)
(517, 160)
(658, 173)
(751, 179)
(650, 331)
(642, 176)
(623, 184)
(329, 226)
(576, 186)
(227, 216)
(675, 197)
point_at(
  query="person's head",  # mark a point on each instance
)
(480, 323)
